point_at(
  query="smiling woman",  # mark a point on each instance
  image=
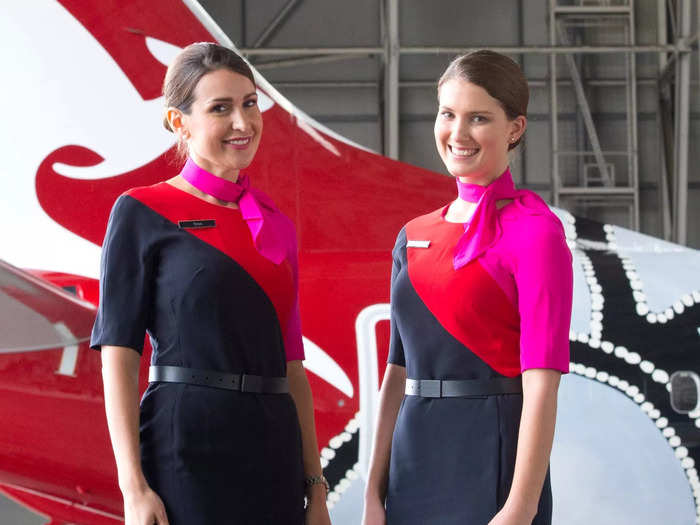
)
(481, 117)
(207, 266)
(211, 104)
(480, 311)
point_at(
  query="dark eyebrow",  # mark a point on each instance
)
(220, 99)
(229, 99)
(477, 112)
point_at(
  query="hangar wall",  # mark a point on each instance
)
(346, 93)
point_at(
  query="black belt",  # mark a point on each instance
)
(240, 382)
(464, 387)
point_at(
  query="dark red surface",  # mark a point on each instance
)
(348, 208)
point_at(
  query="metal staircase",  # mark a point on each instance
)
(590, 170)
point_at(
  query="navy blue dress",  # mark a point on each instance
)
(209, 301)
(452, 459)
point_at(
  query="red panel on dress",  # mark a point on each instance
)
(230, 236)
(467, 302)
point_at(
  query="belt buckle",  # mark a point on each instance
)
(251, 383)
(238, 382)
(430, 388)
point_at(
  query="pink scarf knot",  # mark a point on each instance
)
(484, 228)
(264, 220)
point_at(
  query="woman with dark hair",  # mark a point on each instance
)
(207, 265)
(481, 305)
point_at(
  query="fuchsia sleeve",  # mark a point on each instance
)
(544, 279)
(293, 343)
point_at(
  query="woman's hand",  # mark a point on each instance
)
(143, 507)
(509, 516)
(374, 513)
(390, 397)
(120, 376)
(316, 510)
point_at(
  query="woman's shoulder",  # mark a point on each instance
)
(418, 225)
(136, 205)
(531, 232)
(521, 216)
(426, 220)
(158, 192)
(400, 238)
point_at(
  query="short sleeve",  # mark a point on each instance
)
(293, 342)
(396, 354)
(544, 279)
(126, 270)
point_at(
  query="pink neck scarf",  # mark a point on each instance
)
(484, 228)
(258, 210)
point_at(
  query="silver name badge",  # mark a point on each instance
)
(417, 244)
(196, 224)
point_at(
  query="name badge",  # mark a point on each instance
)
(197, 224)
(417, 244)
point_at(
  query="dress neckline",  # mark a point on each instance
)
(443, 216)
(443, 212)
(200, 199)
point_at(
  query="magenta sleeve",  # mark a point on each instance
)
(544, 279)
(293, 343)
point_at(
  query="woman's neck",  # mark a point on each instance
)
(229, 174)
(460, 211)
(483, 179)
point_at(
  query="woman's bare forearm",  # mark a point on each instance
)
(535, 438)
(390, 397)
(301, 393)
(120, 373)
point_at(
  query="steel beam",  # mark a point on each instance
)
(391, 79)
(305, 51)
(665, 148)
(437, 50)
(593, 9)
(333, 84)
(244, 35)
(432, 84)
(697, 33)
(276, 22)
(553, 105)
(573, 190)
(304, 60)
(682, 114)
(544, 82)
(545, 50)
(580, 133)
(585, 111)
(632, 141)
(522, 151)
(668, 71)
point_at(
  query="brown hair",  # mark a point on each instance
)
(189, 66)
(499, 75)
